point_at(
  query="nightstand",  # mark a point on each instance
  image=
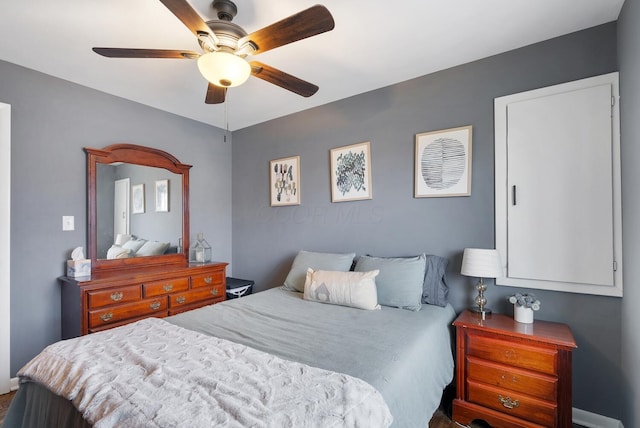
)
(511, 374)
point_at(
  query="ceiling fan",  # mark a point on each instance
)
(226, 45)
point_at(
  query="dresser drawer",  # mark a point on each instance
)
(532, 383)
(166, 286)
(513, 353)
(129, 310)
(209, 279)
(115, 295)
(512, 403)
(198, 294)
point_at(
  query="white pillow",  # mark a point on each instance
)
(354, 289)
(117, 252)
(152, 248)
(121, 238)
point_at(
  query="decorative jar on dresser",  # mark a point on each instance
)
(511, 374)
(111, 299)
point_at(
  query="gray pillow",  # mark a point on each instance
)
(316, 261)
(400, 280)
(435, 290)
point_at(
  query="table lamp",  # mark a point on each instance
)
(481, 263)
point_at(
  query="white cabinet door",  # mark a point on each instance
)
(556, 216)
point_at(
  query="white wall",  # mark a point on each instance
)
(5, 245)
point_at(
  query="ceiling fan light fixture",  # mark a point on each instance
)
(224, 69)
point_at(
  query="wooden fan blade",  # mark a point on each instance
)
(188, 16)
(145, 53)
(215, 94)
(309, 22)
(282, 79)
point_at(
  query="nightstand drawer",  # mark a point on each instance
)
(513, 353)
(512, 403)
(158, 288)
(208, 280)
(532, 383)
(115, 295)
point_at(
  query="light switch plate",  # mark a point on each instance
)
(67, 222)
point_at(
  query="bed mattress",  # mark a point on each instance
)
(405, 355)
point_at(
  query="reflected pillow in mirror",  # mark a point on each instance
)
(134, 244)
(152, 248)
(117, 252)
(121, 238)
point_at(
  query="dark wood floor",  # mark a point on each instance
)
(5, 400)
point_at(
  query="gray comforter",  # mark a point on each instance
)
(405, 355)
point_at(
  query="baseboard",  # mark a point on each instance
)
(13, 385)
(593, 420)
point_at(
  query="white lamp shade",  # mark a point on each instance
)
(481, 263)
(224, 69)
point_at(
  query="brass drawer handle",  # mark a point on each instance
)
(214, 291)
(167, 287)
(155, 305)
(181, 299)
(116, 296)
(508, 402)
(208, 280)
(106, 316)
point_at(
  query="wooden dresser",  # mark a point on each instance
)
(511, 374)
(110, 299)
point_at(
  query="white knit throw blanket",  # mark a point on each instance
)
(154, 374)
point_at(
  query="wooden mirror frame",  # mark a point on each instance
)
(137, 155)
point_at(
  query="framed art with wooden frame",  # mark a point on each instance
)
(443, 163)
(351, 172)
(137, 199)
(285, 181)
(162, 196)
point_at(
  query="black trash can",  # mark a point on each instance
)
(237, 287)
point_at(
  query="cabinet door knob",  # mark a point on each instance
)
(508, 402)
(214, 291)
(106, 316)
(167, 287)
(208, 280)
(181, 299)
(116, 296)
(154, 305)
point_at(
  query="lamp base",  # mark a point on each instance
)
(477, 310)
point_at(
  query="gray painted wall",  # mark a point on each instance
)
(266, 239)
(629, 60)
(52, 120)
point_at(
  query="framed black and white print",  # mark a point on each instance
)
(443, 163)
(137, 199)
(285, 181)
(351, 172)
(162, 196)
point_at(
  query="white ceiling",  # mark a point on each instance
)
(374, 44)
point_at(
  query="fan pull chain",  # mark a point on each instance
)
(226, 117)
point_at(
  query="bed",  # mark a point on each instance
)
(404, 356)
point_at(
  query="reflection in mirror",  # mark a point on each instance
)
(132, 170)
(130, 222)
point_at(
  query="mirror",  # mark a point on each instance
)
(138, 200)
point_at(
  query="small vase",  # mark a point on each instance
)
(523, 314)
